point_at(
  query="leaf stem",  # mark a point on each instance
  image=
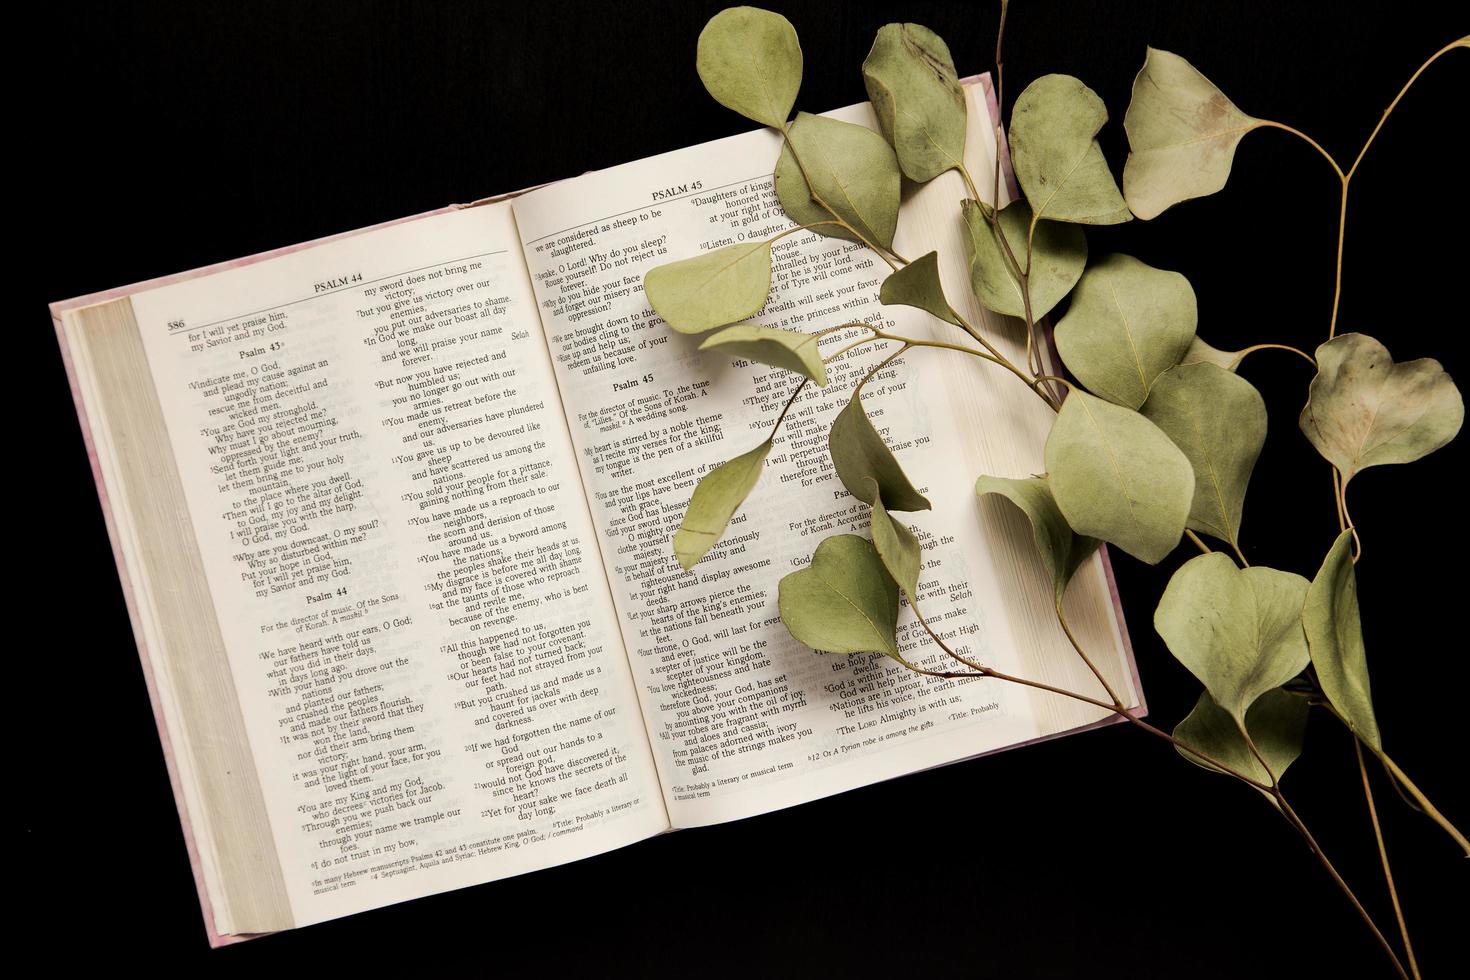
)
(1461, 43)
(1393, 892)
(1430, 810)
(1072, 639)
(1204, 548)
(1255, 347)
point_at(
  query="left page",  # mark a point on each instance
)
(393, 530)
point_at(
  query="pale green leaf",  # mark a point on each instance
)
(850, 167)
(1057, 159)
(790, 350)
(863, 461)
(1127, 323)
(710, 290)
(1117, 477)
(917, 97)
(1059, 253)
(844, 602)
(750, 61)
(917, 284)
(719, 493)
(899, 549)
(1364, 410)
(1202, 353)
(1182, 131)
(1335, 637)
(1239, 630)
(1219, 420)
(1062, 550)
(1277, 723)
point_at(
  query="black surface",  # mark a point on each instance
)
(233, 128)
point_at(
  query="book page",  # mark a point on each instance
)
(418, 625)
(742, 718)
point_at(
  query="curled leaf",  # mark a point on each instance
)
(1058, 255)
(1127, 323)
(1239, 630)
(1218, 419)
(916, 95)
(917, 284)
(1058, 161)
(1277, 723)
(1183, 132)
(1202, 353)
(750, 60)
(899, 549)
(1364, 410)
(1117, 477)
(1335, 638)
(717, 496)
(710, 290)
(844, 601)
(865, 464)
(790, 350)
(850, 167)
(1062, 550)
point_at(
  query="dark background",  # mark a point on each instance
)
(172, 137)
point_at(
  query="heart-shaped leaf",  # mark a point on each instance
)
(719, 493)
(1239, 630)
(899, 549)
(917, 284)
(1335, 638)
(1219, 420)
(750, 61)
(1062, 550)
(1277, 723)
(850, 167)
(1116, 476)
(789, 350)
(916, 95)
(1183, 133)
(1202, 353)
(863, 461)
(1364, 410)
(1058, 256)
(1127, 323)
(1058, 161)
(710, 290)
(844, 602)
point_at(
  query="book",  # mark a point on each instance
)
(392, 514)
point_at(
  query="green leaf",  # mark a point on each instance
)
(1183, 133)
(1202, 353)
(750, 61)
(1062, 550)
(864, 461)
(1364, 410)
(917, 284)
(1277, 723)
(717, 496)
(1058, 162)
(789, 350)
(916, 95)
(850, 167)
(1239, 630)
(1335, 637)
(899, 549)
(1058, 255)
(1116, 476)
(1219, 420)
(1127, 323)
(844, 602)
(710, 290)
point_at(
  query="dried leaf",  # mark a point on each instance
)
(719, 493)
(789, 350)
(916, 95)
(850, 167)
(710, 290)
(899, 549)
(1062, 550)
(1058, 255)
(1117, 477)
(1335, 638)
(1277, 723)
(917, 284)
(864, 461)
(750, 61)
(844, 602)
(1127, 323)
(1058, 161)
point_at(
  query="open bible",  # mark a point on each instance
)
(392, 511)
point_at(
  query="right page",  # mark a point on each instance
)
(742, 718)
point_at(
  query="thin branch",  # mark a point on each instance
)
(1393, 893)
